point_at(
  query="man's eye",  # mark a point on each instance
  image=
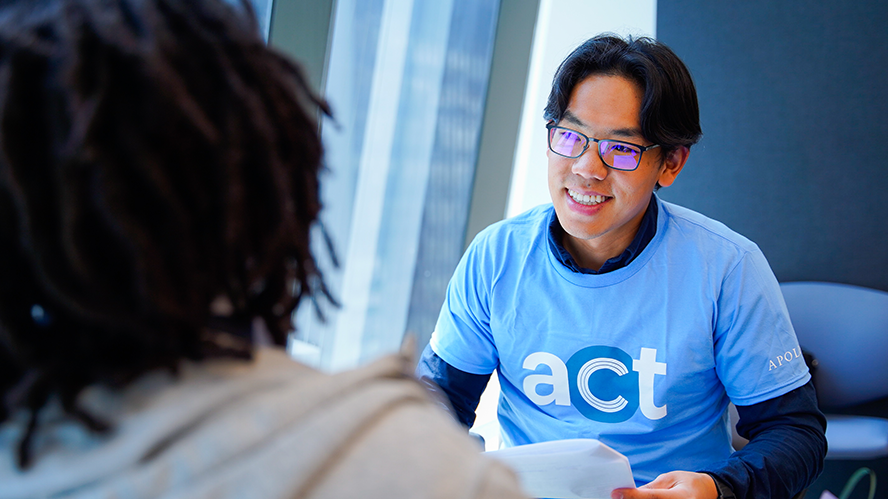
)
(568, 139)
(622, 149)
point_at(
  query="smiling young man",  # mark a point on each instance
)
(599, 212)
(611, 314)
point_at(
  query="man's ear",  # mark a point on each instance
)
(672, 166)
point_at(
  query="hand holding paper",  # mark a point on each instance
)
(673, 485)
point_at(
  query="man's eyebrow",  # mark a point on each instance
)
(627, 133)
(571, 117)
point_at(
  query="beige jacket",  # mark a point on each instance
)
(271, 428)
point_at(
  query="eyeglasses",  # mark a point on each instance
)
(616, 154)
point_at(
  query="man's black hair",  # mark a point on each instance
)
(158, 178)
(670, 115)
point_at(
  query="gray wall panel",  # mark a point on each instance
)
(795, 127)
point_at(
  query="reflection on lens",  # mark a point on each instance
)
(566, 143)
(619, 155)
(624, 162)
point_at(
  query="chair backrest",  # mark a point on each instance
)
(846, 329)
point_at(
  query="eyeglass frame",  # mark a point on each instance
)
(551, 125)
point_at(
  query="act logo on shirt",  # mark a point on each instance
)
(604, 383)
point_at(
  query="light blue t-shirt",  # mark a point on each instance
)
(644, 358)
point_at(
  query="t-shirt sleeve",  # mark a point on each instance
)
(757, 353)
(462, 335)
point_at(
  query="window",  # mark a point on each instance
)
(407, 81)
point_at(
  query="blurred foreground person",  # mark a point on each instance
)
(158, 179)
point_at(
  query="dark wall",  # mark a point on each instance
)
(794, 110)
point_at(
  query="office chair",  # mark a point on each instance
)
(845, 328)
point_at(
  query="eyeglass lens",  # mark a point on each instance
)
(617, 155)
(566, 142)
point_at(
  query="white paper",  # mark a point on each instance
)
(581, 468)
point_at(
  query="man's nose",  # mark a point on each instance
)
(590, 166)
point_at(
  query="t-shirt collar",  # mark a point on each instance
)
(646, 232)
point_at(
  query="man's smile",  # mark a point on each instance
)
(587, 199)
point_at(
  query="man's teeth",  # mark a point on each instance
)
(586, 199)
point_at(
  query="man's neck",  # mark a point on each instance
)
(593, 253)
(644, 232)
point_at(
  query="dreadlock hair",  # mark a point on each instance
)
(157, 159)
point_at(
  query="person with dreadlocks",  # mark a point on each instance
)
(158, 179)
